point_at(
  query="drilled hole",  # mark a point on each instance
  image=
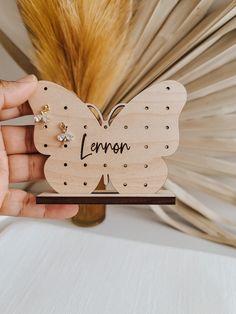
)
(146, 127)
(85, 165)
(167, 146)
(105, 126)
(145, 166)
(125, 165)
(85, 183)
(167, 127)
(146, 146)
(45, 88)
(146, 108)
(65, 164)
(167, 108)
(105, 165)
(126, 127)
(168, 87)
(65, 145)
(65, 107)
(145, 184)
(45, 126)
(124, 184)
(85, 126)
(45, 145)
(65, 183)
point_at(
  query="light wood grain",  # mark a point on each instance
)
(143, 131)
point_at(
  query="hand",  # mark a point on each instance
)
(19, 160)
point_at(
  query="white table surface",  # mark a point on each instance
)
(55, 270)
(136, 223)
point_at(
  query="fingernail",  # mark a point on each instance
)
(28, 78)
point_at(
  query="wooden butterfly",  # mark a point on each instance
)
(126, 149)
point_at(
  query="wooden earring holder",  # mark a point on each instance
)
(126, 149)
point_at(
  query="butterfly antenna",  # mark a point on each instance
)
(113, 111)
(90, 106)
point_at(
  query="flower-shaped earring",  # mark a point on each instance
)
(42, 117)
(64, 136)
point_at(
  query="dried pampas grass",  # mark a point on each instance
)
(108, 51)
(79, 44)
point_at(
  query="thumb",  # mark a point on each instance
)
(13, 94)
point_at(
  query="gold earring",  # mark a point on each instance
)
(42, 117)
(64, 136)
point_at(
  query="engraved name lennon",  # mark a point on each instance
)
(105, 147)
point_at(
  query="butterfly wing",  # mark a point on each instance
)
(149, 125)
(64, 170)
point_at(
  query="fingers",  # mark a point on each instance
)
(15, 112)
(21, 203)
(18, 139)
(4, 172)
(13, 94)
(24, 168)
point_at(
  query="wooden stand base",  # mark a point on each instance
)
(163, 197)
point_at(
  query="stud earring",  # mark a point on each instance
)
(42, 117)
(64, 136)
